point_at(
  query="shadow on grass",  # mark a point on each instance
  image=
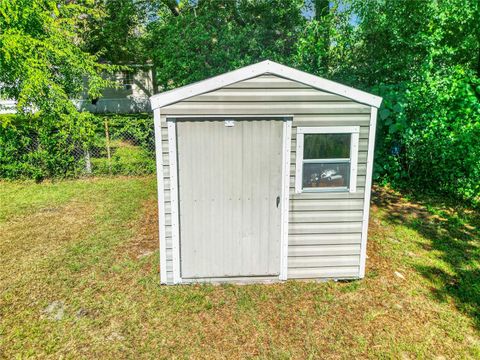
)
(453, 232)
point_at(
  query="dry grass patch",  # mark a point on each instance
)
(102, 268)
(145, 240)
(26, 240)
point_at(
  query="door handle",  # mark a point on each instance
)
(278, 201)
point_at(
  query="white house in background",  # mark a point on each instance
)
(132, 96)
(7, 106)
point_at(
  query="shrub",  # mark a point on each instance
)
(131, 142)
(429, 134)
(40, 147)
(126, 160)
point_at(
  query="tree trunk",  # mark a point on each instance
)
(322, 15)
(173, 6)
(322, 9)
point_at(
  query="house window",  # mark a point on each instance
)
(326, 158)
(127, 79)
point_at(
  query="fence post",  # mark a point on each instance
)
(88, 163)
(107, 137)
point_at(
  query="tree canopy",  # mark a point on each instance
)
(210, 37)
(42, 64)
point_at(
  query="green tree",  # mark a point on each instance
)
(41, 61)
(116, 31)
(423, 57)
(323, 45)
(43, 67)
(192, 41)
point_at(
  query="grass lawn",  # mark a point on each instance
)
(79, 279)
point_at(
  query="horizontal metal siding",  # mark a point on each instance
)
(323, 272)
(316, 216)
(267, 82)
(234, 95)
(304, 205)
(324, 239)
(265, 107)
(324, 250)
(325, 228)
(333, 227)
(359, 194)
(362, 120)
(323, 261)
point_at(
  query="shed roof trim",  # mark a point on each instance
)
(261, 68)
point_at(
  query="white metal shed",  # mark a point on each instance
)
(264, 174)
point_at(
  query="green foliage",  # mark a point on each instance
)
(132, 145)
(43, 67)
(116, 31)
(311, 48)
(41, 147)
(435, 127)
(126, 160)
(41, 63)
(137, 128)
(323, 41)
(423, 58)
(213, 37)
(398, 41)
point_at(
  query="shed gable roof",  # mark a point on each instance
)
(251, 71)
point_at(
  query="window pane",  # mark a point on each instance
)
(326, 146)
(326, 175)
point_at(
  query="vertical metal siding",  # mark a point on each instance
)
(229, 179)
(328, 245)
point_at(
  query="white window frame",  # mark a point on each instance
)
(353, 131)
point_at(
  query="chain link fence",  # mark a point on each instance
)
(120, 145)
(101, 145)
